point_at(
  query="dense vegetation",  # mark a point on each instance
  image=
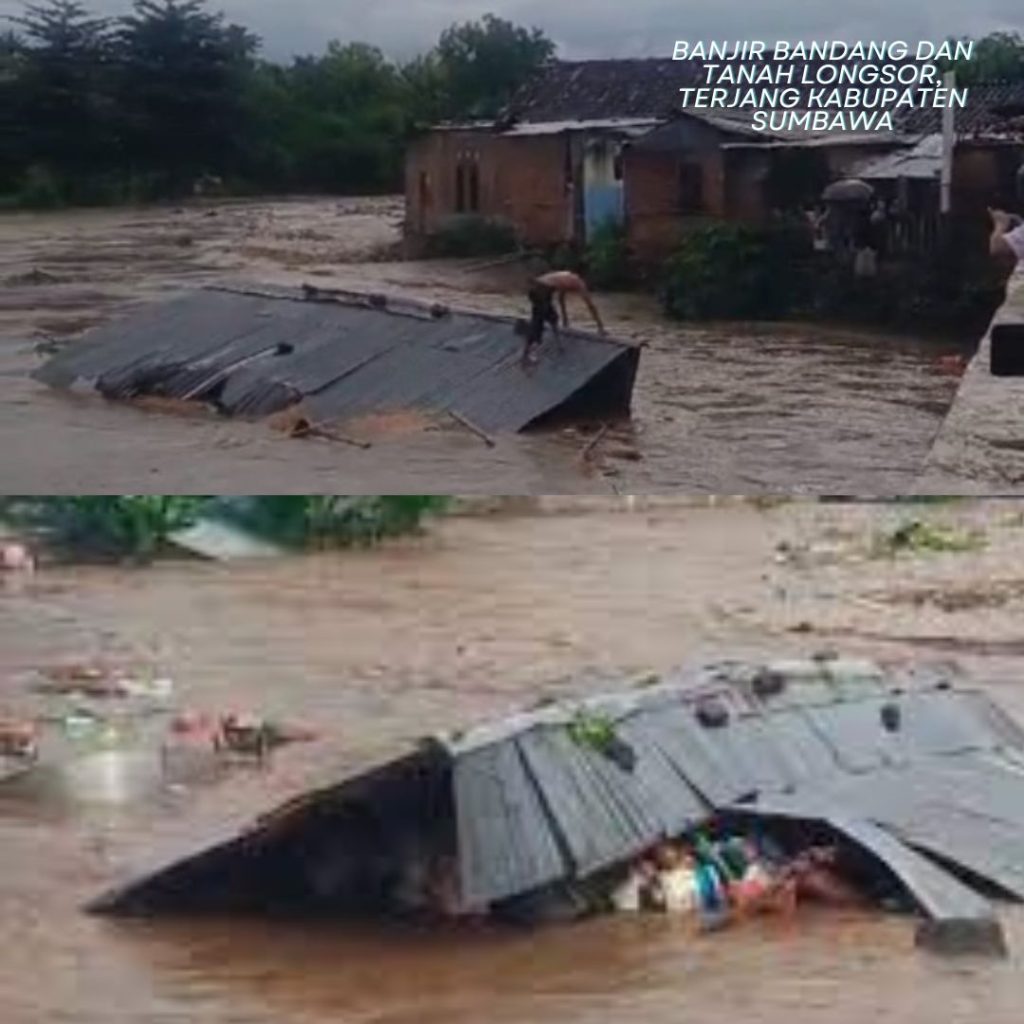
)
(96, 110)
(998, 57)
(727, 271)
(140, 527)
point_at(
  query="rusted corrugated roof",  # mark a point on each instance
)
(257, 352)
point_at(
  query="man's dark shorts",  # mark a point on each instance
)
(542, 311)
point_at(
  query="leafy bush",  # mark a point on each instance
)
(731, 271)
(607, 257)
(139, 527)
(40, 190)
(321, 521)
(918, 536)
(469, 235)
(89, 527)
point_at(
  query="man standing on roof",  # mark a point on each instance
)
(1007, 236)
(542, 294)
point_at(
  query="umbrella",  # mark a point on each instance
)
(849, 190)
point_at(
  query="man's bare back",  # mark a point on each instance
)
(565, 282)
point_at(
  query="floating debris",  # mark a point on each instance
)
(15, 557)
(918, 535)
(102, 682)
(19, 739)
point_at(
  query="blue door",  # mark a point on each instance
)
(602, 185)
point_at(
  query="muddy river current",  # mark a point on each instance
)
(483, 614)
(733, 409)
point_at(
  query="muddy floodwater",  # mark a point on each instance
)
(483, 614)
(731, 409)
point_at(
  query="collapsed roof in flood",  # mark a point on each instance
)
(342, 355)
(925, 779)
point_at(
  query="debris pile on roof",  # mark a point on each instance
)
(918, 783)
(341, 355)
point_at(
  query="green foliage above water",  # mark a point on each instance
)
(729, 271)
(142, 106)
(607, 259)
(919, 536)
(322, 521)
(732, 271)
(129, 526)
(141, 527)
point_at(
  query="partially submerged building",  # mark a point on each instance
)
(921, 783)
(258, 351)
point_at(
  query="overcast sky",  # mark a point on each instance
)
(593, 28)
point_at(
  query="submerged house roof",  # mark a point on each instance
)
(255, 352)
(916, 775)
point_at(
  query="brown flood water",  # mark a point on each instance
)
(732, 409)
(483, 614)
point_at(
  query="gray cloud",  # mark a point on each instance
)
(587, 28)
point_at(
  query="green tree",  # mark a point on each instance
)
(484, 62)
(13, 153)
(181, 87)
(346, 119)
(141, 106)
(424, 84)
(998, 57)
(61, 93)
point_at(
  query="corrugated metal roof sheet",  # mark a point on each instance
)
(257, 352)
(922, 768)
(921, 161)
(621, 125)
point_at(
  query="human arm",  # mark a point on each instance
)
(563, 306)
(589, 302)
(1004, 240)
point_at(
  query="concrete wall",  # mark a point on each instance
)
(980, 446)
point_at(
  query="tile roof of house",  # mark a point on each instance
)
(594, 89)
(992, 108)
(591, 90)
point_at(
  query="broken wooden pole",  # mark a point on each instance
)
(592, 444)
(473, 428)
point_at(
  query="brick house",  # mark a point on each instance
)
(552, 166)
(585, 143)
